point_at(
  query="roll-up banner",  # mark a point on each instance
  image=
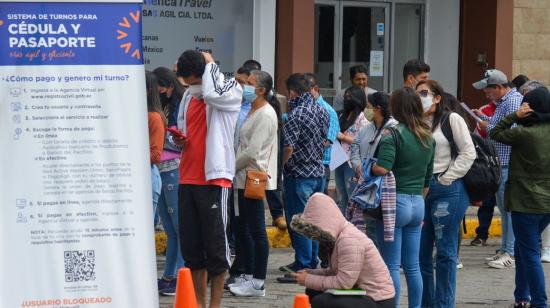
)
(76, 216)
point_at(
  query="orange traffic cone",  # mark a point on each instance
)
(185, 291)
(301, 301)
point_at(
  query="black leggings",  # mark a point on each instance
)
(326, 300)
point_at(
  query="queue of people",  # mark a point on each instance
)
(231, 136)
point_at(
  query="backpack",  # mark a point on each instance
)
(484, 177)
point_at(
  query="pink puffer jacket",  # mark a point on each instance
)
(354, 263)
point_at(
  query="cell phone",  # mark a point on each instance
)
(176, 132)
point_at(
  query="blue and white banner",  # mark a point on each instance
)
(76, 223)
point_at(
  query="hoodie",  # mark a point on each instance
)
(354, 262)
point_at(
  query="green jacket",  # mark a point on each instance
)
(528, 186)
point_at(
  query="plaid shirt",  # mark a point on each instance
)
(333, 127)
(508, 104)
(305, 132)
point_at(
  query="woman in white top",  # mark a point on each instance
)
(257, 151)
(447, 199)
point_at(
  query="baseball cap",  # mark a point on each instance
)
(491, 77)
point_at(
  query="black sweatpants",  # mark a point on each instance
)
(203, 217)
(326, 300)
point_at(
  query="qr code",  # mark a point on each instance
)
(79, 265)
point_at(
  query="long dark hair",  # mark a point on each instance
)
(167, 78)
(266, 81)
(358, 103)
(441, 109)
(382, 101)
(406, 108)
(153, 99)
(454, 106)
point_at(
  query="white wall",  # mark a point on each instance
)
(441, 41)
(264, 34)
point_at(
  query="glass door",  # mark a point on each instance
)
(349, 33)
(363, 41)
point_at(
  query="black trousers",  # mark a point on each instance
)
(326, 300)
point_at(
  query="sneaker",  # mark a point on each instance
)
(168, 291)
(478, 241)
(545, 255)
(237, 281)
(459, 265)
(505, 261)
(289, 268)
(166, 287)
(495, 257)
(521, 305)
(247, 288)
(280, 223)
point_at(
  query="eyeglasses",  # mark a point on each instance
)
(424, 93)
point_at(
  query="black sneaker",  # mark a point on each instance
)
(289, 268)
(478, 241)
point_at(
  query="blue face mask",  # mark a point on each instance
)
(249, 93)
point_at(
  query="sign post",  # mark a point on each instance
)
(76, 226)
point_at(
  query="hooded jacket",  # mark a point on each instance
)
(354, 262)
(528, 186)
(223, 103)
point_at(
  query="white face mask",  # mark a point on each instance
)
(195, 91)
(427, 103)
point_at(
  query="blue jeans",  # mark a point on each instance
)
(168, 211)
(255, 245)
(405, 247)
(156, 186)
(445, 208)
(342, 176)
(530, 285)
(506, 217)
(297, 192)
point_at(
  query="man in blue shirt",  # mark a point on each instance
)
(305, 134)
(333, 127)
(496, 87)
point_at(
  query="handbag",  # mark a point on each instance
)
(256, 182)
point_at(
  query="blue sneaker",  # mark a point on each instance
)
(166, 287)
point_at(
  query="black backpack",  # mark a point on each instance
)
(484, 177)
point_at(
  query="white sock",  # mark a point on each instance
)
(258, 283)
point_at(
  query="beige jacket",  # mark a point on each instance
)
(258, 146)
(354, 263)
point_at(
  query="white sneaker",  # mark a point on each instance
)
(495, 257)
(459, 265)
(247, 288)
(545, 255)
(505, 261)
(238, 281)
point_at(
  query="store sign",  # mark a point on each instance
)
(221, 27)
(76, 225)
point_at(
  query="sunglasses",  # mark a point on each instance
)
(424, 93)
